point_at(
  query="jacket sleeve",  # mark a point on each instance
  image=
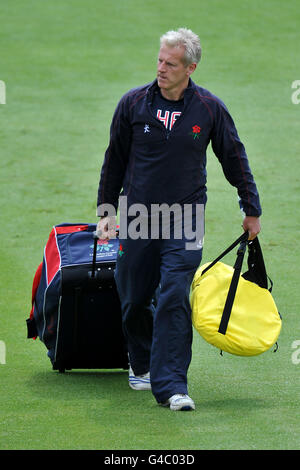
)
(116, 158)
(231, 153)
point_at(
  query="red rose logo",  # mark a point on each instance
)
(196, 131)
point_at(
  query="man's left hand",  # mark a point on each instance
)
(252, 225)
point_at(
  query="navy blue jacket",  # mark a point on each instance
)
(155, 165)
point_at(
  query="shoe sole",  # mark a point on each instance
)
(179, 407)
(140, 386)
(182, 408)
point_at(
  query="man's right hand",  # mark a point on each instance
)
(106, 228)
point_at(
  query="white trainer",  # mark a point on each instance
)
(180, 402)
(139, 382)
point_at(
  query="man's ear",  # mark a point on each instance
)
(191, 68)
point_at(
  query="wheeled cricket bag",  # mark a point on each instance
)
(76, 309)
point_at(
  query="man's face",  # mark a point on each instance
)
(172, 74)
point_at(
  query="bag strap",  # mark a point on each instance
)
(242, 238)
(256, 266)
(233, 287)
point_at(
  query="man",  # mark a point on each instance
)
(157, 154)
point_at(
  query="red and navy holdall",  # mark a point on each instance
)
(68, 245)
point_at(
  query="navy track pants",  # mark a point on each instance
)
(159, 338)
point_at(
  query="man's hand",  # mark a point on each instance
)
(252, 225)
(106, 228)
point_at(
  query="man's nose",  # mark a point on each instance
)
(161, 66)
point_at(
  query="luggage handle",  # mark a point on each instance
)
(96, 238)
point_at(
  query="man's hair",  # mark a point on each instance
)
(187, 39)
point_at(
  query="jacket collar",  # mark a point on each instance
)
(153, 87)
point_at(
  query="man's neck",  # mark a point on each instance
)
(173, 95)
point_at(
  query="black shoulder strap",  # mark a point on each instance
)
(242, 238)
(232, 289)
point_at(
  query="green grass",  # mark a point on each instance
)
(65, 65)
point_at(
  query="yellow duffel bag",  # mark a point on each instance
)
(234, 312)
